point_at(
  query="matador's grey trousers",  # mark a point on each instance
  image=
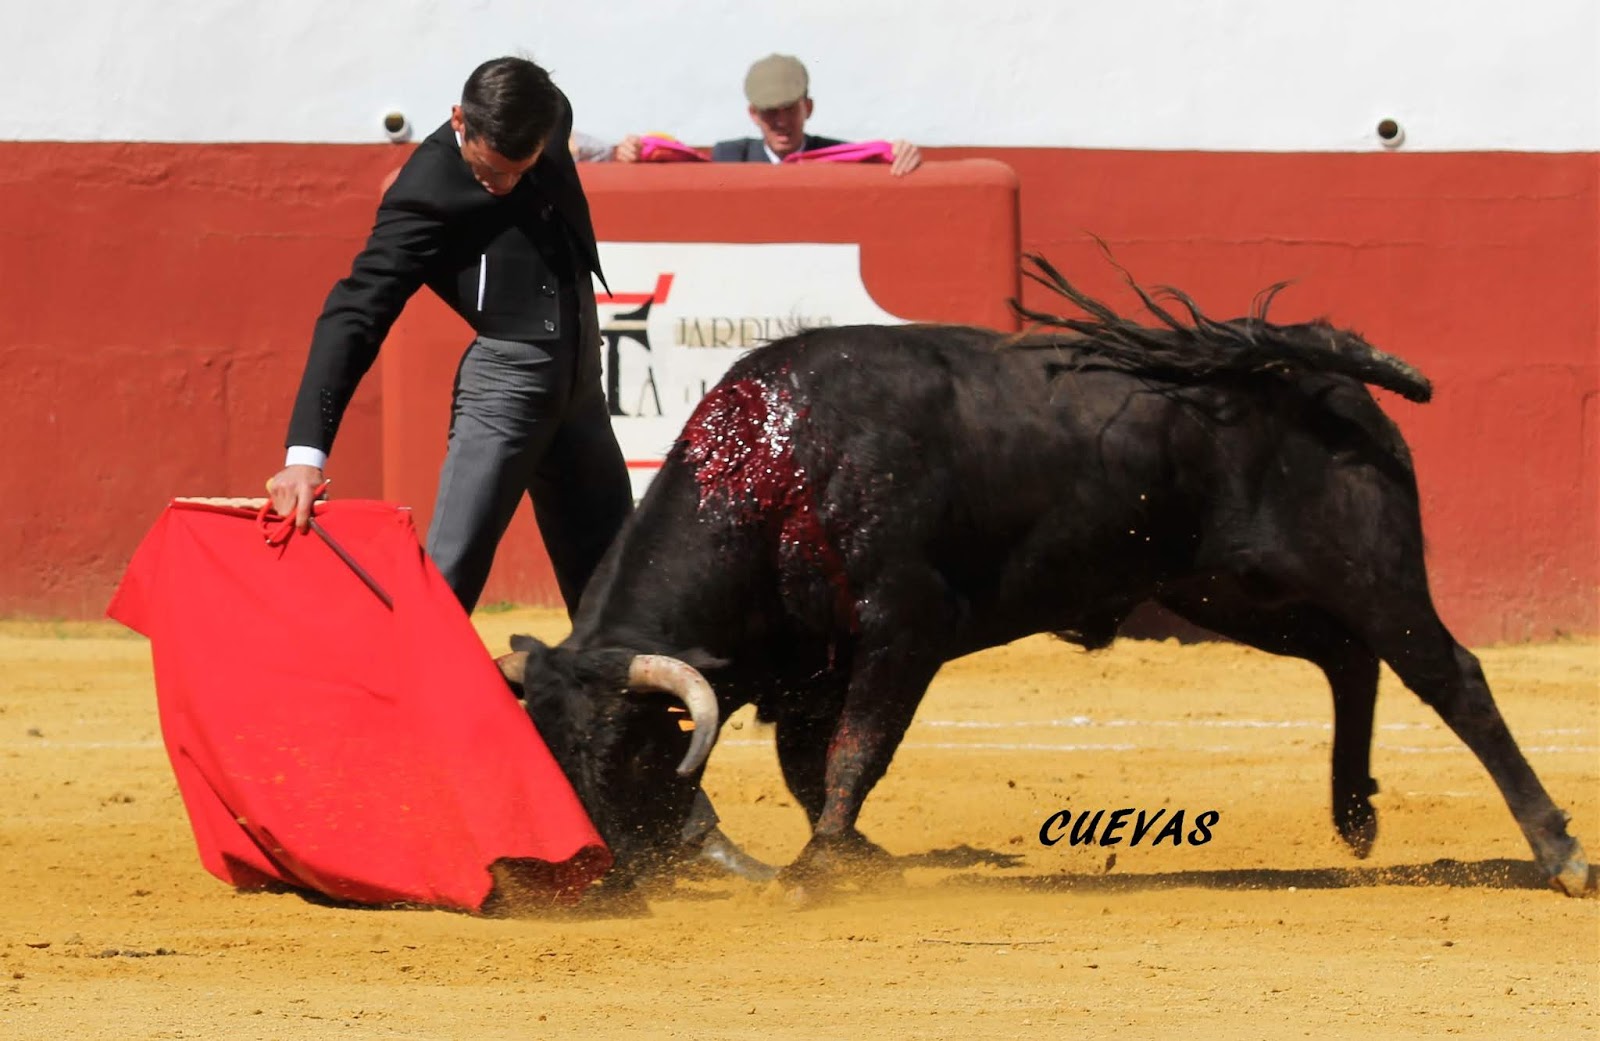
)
(528, 419)
(531, 419)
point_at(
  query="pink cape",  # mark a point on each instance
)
(848, 152)
(656, 149)
(324, 741)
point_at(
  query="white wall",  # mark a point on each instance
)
(1192, 74)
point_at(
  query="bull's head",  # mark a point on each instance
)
(614, 721)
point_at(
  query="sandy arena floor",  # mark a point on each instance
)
(1270, 930)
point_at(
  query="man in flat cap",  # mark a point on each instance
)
(779, 95)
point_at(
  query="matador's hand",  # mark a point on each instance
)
(293, 489)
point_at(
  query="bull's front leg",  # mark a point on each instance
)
(884, 692)
(802, 744)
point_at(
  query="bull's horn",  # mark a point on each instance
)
(513, 667)
(658, 672)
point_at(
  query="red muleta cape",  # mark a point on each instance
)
(325, 741)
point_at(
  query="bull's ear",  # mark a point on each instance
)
(523, 642)
(514, 667)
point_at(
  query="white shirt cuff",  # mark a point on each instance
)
(305, 455)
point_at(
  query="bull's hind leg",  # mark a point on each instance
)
(1448, 677)
(1352, 672)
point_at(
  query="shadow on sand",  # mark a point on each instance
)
(1498, 874)
(1477, 874)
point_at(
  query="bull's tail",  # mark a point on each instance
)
(1204, 347)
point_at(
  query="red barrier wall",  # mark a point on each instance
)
(936, 247)
(156, 302)
(1482, 269)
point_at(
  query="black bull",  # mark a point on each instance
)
(851, 507)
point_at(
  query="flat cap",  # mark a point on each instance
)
(776, 81)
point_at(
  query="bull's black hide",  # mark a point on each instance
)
(851, 507)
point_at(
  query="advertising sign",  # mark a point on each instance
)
(682, 313)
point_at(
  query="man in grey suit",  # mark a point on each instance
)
(778, 92)
(488, 212)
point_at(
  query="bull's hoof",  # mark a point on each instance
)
(1572, 877)
(1560, 855)
(1358, 827)
(720, 855)
(828, 861)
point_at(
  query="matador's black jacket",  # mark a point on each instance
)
(514, 266)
